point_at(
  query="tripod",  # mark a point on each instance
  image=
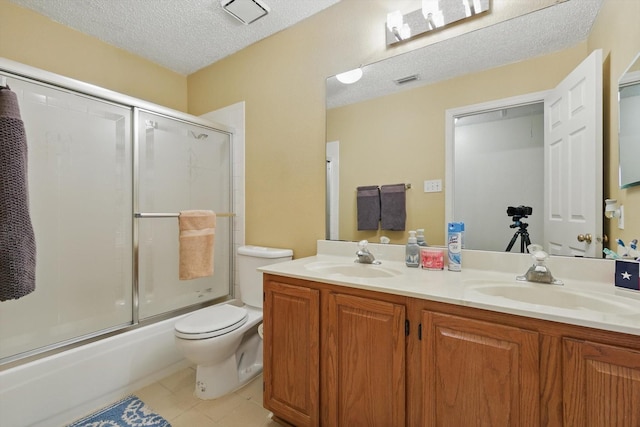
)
(523, 233)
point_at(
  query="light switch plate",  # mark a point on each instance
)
(433, 186)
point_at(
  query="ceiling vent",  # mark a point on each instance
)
(407, 79)
(245, 11)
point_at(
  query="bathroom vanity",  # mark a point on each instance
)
(348, 344)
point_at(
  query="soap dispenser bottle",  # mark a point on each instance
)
(420, 237)
(412, 252)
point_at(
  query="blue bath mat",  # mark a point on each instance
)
(129, 412)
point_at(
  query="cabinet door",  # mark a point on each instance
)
(365, 362)
(477, 373)
(601, 385)
(291, 352)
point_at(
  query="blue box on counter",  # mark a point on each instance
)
(628, 274)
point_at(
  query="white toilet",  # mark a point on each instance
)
(223, 340)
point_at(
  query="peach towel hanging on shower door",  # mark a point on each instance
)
(197, 235)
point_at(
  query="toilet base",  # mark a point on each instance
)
(249, 357)
(214, 381)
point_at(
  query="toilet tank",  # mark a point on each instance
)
(249, 279)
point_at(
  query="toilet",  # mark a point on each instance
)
(225, 340)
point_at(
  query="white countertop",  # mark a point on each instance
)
(587, 298)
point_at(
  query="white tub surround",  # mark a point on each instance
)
(56, 390)
(585, 279)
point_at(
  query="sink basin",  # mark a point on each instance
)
(553, 296)
(352, 269)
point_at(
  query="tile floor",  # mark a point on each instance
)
(173, 398)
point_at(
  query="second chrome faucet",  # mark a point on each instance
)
(539, 272)
(364, 255)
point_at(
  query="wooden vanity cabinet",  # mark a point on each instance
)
(601, 384)
(364, 362)
(479, 367)
(291, 322)
(477, 373)
(333, 358)
(338, 356)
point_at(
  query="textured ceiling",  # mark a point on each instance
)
(182, 35)
(538, 33)
(187, 35)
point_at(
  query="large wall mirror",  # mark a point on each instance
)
(389, 127)
(629, 130)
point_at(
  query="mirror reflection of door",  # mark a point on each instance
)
(573, 162)
(333, 190)
(507, 138)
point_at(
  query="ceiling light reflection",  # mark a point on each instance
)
(351, 76)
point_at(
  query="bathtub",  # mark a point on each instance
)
(57, 390)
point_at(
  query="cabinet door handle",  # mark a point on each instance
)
(406, 327)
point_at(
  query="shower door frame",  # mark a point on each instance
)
(41, 77)
(136, 110)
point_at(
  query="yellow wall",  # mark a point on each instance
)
(617, 32)
(282, 80)
(31, 39)
(401, 138)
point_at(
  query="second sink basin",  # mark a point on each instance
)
(352, 269)
(553, 296)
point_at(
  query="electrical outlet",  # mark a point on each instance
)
(433, 186)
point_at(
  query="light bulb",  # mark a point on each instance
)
(395, 20)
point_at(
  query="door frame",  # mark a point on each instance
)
(451, 115)
(332, 182)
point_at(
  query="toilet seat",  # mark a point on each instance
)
(211, 322)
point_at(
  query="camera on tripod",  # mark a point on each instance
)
(520, 211)
(517, 213)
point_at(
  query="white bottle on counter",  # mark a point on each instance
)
(412, 252)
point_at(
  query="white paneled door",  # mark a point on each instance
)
(573, 162)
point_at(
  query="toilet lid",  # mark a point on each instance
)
(211, 322)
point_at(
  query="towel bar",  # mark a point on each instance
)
(173, 215)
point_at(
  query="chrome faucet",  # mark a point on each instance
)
(539, 272)
(363, 254)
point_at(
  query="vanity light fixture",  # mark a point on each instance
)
(433, 15)
(349, 77)
(611, 210)
(245, 11)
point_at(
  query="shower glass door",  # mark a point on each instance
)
(182, 166)
(80, 174)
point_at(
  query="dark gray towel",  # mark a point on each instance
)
(393, 210)
(368, 206)
(17, 241)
